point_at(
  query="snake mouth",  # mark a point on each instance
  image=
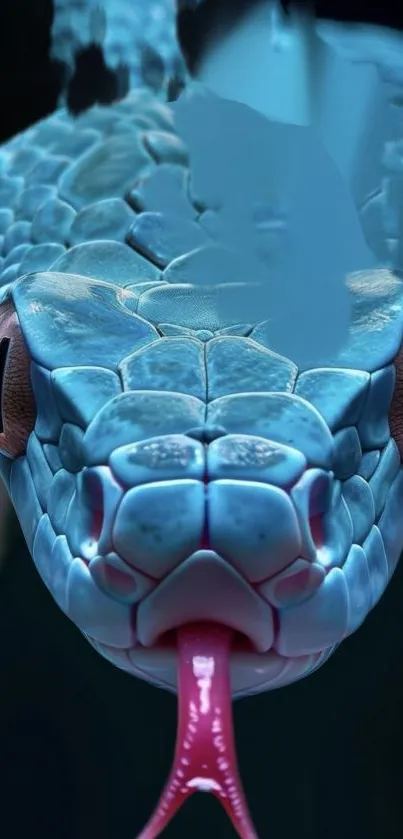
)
(158, 662)
(240, 642)
(250, 670)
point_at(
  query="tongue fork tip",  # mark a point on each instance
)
(205, 758)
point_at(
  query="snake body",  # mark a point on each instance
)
(165, 464)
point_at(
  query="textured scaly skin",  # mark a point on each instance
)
(178, 468)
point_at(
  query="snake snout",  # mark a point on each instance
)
(240, 531)
(251, 502)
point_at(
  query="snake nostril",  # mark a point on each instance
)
(92, 515)
(325, 522)
(92, 511)
(313, 498)
(319, 504)
(316, 528)
(93, 498)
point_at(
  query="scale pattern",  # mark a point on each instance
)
(124, 30)
(121, 332)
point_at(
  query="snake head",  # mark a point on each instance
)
(153, 491)
(217, 535)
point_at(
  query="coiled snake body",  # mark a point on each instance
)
(167, 467)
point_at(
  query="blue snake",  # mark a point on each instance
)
(167, 467)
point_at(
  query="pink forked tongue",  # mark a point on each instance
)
(205, 759)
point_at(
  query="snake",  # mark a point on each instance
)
(214, 518)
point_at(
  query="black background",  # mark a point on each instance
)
(85, 749)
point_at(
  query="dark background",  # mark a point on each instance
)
(85, 749)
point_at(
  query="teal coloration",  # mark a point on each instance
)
(356, 574)
(388, 468)
(180, 467)
(59, 334)
(96, 386)
(166, 148)
(255, 459)
(6, 219)
(281, 417)
(10, 274)
(40, 470)
(325, 615)
(373, 426)
(105, 171)
(139, 415)
(163, 238)
(196, 308)
(51, 453)
(158, 525)
(377, 299)
(63, 490)
(109, 219)
(389, 522)
(161, 459)
(24, 496)
(31, 200)
(378, 568)
(170, 364)
(86, 603)
(47, 171)
(70, 447)
(41, 257)
(164, 191)
(113, 575)
(348, 453)
(52, 221)
(48, 424)
(337, 530)
(256, 524)
(10, 188)
(361, 506)
(107, 260)
(338, 395)
(203, 571)
(16, 254)
(17, 234)
(24, 161)
(96, 493)
(236, 364)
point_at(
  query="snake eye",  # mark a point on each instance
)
(17, 404)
